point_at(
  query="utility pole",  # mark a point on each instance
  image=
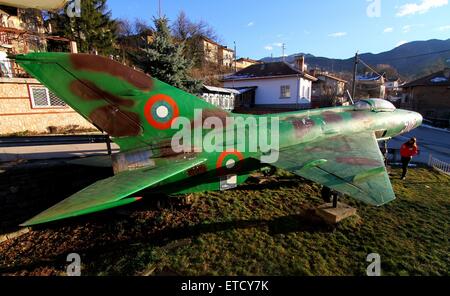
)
(159, 8)
(355, 70)
(235, 57)
(283, 47)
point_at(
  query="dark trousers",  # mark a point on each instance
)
(405, 164)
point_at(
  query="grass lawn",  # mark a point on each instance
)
(257, 229)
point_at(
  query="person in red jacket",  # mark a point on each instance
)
(408, 151)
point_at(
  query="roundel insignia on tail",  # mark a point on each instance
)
(229, 161)
(160, 111)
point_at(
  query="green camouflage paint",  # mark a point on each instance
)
(137, 111)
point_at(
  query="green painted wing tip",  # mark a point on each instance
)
(42, 217)
(364, 176)
(314, 163)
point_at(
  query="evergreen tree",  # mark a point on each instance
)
(164, 59)
(94, 31)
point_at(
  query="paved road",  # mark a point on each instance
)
(436, 142)
(430, 140)
(8, 154)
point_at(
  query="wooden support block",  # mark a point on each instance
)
(335, 215)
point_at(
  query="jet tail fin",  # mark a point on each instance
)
(132, 107)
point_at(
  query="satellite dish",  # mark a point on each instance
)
(38, 4)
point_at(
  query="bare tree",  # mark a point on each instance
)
(141, 27)
(184, 29)
(190, 33)
(124, 28)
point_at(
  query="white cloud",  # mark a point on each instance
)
(268, 47)
(278, 44)
(422, 7)
(338, 34)
(444, 28)
(401, 43)
(407, 28)
(388, 30)
(250, 24)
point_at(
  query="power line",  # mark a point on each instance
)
(419, 55)
(365, 64)
(408, 57)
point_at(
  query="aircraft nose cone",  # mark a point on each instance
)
(419, 119)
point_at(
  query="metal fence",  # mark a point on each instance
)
(439, 165)
(55, 140)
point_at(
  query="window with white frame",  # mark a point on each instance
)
(285, 91)
(42, 97)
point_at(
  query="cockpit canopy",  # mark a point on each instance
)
(375, 105)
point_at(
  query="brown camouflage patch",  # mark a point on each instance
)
(208, 113)
(198, 170)
(332, 117)
(357, 161)
(116, 122)
(221, 114)
(331, 148)
(165, 149)
(88, 91)
(104, 65)
(302, 126)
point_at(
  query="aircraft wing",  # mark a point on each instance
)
(41, 4)
(352, 165)
(112, 192)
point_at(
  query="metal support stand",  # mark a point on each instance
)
(335, 200)
(386, 152)
(108, 144)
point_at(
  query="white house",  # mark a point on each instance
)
(277, 85)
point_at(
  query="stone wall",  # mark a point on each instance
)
(17, 114)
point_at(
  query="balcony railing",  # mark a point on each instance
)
(10, 69)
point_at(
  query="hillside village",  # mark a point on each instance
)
(236, 84)
(95, 170)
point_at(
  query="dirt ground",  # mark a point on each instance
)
(257, 229)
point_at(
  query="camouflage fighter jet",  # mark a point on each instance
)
(336, 147)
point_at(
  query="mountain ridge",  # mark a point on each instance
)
(412, 60)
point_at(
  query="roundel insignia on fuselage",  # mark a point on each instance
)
(160, 111)
(228, 162)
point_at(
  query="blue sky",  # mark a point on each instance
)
(335, 29)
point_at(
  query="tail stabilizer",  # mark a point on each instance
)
(132, 107)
